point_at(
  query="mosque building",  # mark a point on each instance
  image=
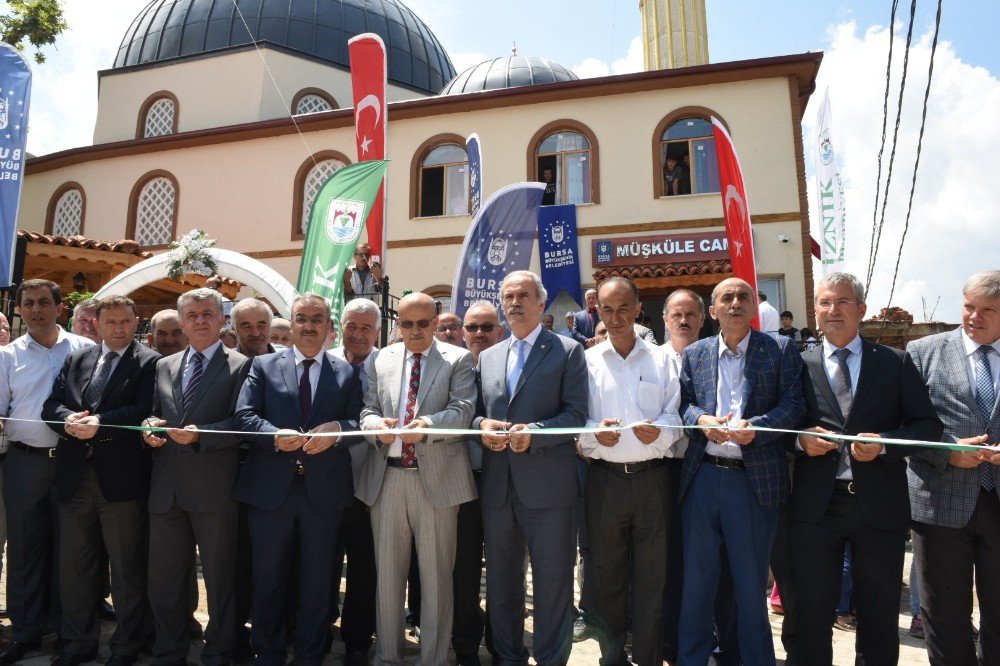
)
(227, 117)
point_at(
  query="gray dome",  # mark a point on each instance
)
(509, 72)
(168, 29)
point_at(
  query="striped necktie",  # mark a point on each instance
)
(985, 399)
(198, 359)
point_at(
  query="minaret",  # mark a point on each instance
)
(674, 33)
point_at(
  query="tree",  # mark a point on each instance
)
(37, 21)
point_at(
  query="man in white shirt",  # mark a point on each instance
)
(28, 369)
(631, 383)
(770, 322)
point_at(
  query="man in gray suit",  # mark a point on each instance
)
(414, 483)
(190, 497)
(953, 495)
(529, 485)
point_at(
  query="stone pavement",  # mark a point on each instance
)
(584, 653)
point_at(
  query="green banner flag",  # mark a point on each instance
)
(338, 216)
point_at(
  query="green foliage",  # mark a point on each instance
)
(72, 298)
(37, 21)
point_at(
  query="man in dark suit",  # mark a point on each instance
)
(297, 481)
(585, 321)
(953, 494)
(102, 482)
(734, 478)
(853, 493)
(190, 496)
(529, 484)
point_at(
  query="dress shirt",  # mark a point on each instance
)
(530, 340)
(314, 371)
(681, 445)
(642, 386)
(729, 393)
(770, 322)
(105, 350)
(27, 372)
(396, 448)
(970, 363)
(189, 363)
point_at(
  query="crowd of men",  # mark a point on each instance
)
(692, 487)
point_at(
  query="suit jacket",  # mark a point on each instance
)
(583, 328)
(121, 461)
(551, 392)
(446, 399)
(941, 494)
(268, 402)
(199, 477)
(772, 397)
(890, 399)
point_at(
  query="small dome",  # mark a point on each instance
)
(509, 72)
(168, 29)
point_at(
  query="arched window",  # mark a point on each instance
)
(153, 210)
(158, 116)
(65, 213)
(444, 181)
(565, 159)
(685, 153)
(312, 101)
(311, 177)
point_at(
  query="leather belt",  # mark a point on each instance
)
(723, 462)
(398, 464)
(845, 486)
(629, 467)
(37, 450)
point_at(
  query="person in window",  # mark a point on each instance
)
(364, 278)
(672, 175)
(549, 197)
(786, 326)
(685, 186)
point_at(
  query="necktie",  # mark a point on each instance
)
(515, 372)
(100, 380)
(409, 454)
(199, 365)
(985, 399)
(842, 382)
(305, 390)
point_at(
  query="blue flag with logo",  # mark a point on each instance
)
(558, 251)
(474, 150)
(500, 241)
(15, 95)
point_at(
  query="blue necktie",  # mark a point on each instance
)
(515, 373)
(985, 399)
(195, 379)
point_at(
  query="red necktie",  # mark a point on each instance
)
(409, 455)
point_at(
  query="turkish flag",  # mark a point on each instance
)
(736, 210)
(368, 79)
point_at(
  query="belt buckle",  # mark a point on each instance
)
(627, 470)
(51, 453)
(299, 468)
(850, 487)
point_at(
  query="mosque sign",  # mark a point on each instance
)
(660, 249)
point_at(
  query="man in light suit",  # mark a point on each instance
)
(853, 493)
(296, 482)
(734, 478)
(953, 494)
(529, 485)
(190, 496)
(102, 483)
(414, 483)
(585, 321)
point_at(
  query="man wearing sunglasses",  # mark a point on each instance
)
(363, 280)
(414, 483)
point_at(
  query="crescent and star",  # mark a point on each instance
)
(372, 102)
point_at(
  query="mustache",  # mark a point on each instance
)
(735, 311)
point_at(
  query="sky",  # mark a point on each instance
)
(952, 230)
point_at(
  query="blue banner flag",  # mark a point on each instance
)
(474, 150)
(15, 95)
(500, 241)
(558, 251)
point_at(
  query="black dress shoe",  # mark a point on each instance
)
(356, 658)
(120, 660)
(15, 652)
(70, 659)
(106, 611)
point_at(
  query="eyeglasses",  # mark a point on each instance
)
(363, 254)
(840, 303)
(420, 323)
(448, 327)
(485, 328)
(318, 320)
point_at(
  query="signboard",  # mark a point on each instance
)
(660, 249)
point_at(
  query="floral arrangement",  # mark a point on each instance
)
(190, 255)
